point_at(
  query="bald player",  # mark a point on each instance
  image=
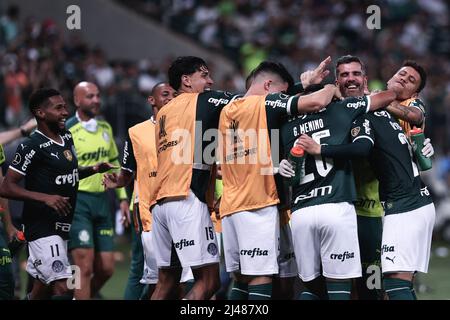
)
(91, 235)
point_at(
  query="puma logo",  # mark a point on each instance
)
(390, 259)
(55, 155)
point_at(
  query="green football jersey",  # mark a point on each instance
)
(325, 180)
(400, 186)
(52, 168)
(92, 148)
(367, 200)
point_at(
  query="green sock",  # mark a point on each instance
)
(239, 291)
(307, 295)
(398, 289)
(339, 290)
(260, 292)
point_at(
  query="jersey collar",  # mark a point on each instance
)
(59, 144)
(91, 125)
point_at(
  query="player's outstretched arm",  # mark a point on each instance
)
(382, 99)
(98, 168)
(13, 134)
(358, 148)
(316, 101)
(409, 114)
(114, 180)
(11, 189)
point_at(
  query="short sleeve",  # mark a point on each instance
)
(281, 104)
(24, 158)
(362, 129)
(128, 160)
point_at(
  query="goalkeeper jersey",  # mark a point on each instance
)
(92, 148)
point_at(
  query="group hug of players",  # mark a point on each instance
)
(209, 161)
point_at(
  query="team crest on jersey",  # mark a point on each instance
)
(57, 266)
(234, 126)
(83, 235)
(212, 249)
(17, 159)
(68, 155)
(355, 131)
(162, 127)
(105, 136)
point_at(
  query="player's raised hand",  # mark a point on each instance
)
(309, 145)
(317, 75)
(103, 167)
(110, 180)
(60, 204)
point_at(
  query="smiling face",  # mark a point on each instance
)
(351, 79)
(407, 80)
(198, 81)
(54, 113)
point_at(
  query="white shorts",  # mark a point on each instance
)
(406, 240)
(150, 274)
(186, 226)
(326, 235)
(250, 241)
(287, 266)
(48, 259)
(186, 275)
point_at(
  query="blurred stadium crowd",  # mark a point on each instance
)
(297, 33)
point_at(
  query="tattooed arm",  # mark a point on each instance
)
(409, 114)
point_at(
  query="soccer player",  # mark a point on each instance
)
(410, 79)
(323, 220)
(284, 282)
(47, 162)
(139, 160)
(181, 220)
(245, 126)
(408, 207)
(91, 237)
(6, 274)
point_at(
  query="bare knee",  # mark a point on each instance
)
(208, 277)
(60, 288)
(84, 259)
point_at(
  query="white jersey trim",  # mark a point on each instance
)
(364, 137)
(59, 144)
(289, 105)
(21, 172)
(368, 104)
